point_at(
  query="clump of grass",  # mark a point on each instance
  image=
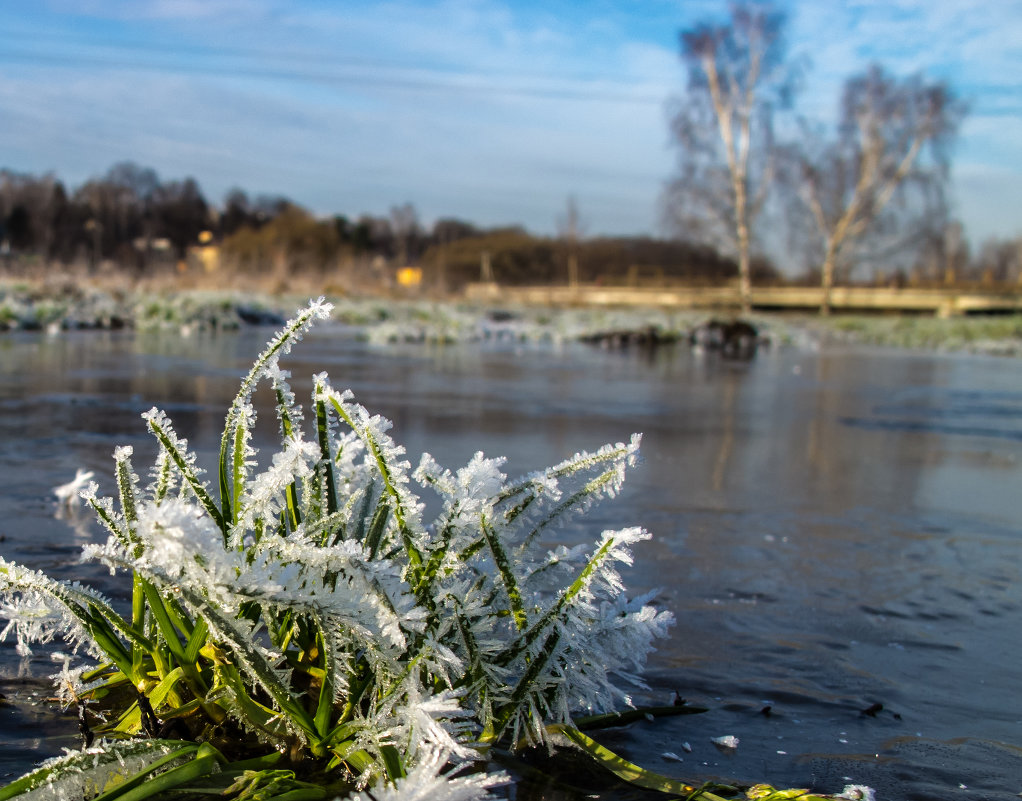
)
(299, 631)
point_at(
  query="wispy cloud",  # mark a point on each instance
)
(186, 10)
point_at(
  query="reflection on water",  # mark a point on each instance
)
(834, 531)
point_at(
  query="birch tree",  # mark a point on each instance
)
(738, 77)
(887, 163)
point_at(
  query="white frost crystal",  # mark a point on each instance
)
(68, 494)
(427, 783)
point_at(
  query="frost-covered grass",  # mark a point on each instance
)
(388, 321)
(298, 630)
(994, 335)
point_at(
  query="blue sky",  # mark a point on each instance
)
(487, 110)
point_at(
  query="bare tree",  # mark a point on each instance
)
(404, 222)
(999, 261)
(723, 128)
(571, 229)
(880, 181)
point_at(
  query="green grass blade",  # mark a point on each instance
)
(86, 607)
(167, 629)
(76, 763)
(106, 518)
(326, 458)
(392, 762)
(575, 499)
(237, 471)
(377, 526)
(145, 785)
(631, 773)
(256, 715)
(227, 632)
(186, 470)
(580, 582)
(525, 683)
(387, 474)
(126, 491)
(507, 574)
(196, 640)
(279, 345)
(613, 719)
(327, 690)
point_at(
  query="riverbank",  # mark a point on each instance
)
(75, 305)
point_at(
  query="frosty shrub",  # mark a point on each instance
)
(308, 623)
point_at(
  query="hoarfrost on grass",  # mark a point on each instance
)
(318, 575)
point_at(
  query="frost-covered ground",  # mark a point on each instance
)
(390, 321)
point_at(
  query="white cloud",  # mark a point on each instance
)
(186, 10)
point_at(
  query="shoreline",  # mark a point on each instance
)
(72, 304)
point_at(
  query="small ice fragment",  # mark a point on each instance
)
(686, 748)
(857, 792)
(728, 741)
(67, 494)
(842, 740)
(649, 717)
(673, 757)
(784, 753)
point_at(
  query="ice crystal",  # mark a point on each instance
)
(857, 792)
(68, 494)
(427, 782)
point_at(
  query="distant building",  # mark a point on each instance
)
(409, 277)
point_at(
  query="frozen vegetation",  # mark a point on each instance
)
(298, 630)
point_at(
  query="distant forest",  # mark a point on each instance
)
(130, 220)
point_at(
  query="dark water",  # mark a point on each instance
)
(834, 531)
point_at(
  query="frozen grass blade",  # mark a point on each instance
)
(91, 770)
(356, 418)
(631, 773)
(159, 425)
(230, 465)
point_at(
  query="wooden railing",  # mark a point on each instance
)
(940, 302)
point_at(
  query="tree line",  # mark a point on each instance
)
(132, 219)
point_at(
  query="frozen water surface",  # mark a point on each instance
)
(838, 532)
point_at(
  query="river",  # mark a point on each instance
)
(838, 532)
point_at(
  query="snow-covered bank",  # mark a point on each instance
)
(390, 321)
